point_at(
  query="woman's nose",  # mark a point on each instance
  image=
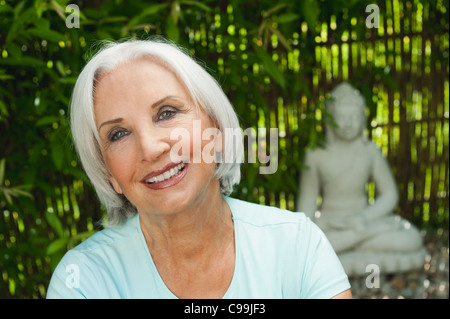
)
(152, 145)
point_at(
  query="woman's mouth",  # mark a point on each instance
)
(167, 178)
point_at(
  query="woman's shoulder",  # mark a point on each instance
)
(109, 237)
(97, 258)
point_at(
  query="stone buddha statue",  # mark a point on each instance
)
(361, 233)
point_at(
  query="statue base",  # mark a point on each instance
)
(357, 263)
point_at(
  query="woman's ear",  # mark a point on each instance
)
(115, 185)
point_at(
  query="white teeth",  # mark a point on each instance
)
(166, 175)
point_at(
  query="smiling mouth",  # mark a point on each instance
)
(167, 175)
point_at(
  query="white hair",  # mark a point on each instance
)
(202, 87)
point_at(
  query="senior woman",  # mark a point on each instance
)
(172, 230)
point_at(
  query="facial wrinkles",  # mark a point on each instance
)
(112, 97)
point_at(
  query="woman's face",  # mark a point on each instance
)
(137, 106)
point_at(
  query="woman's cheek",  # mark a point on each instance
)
(119, 159)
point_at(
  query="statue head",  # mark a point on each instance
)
(348, 108)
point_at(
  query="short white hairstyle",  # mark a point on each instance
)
(203, 88)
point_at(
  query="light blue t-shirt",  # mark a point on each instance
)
(279, 254)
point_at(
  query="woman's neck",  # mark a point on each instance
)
(204, 226)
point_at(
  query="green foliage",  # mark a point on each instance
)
(262, 52)
(7, 193)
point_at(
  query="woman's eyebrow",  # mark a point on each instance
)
(118, 120)
(169, 97)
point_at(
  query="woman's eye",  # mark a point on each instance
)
(115, 136)
(165, 115)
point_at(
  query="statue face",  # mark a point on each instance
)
(349, 120)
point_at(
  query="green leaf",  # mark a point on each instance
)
(310, 12)
(42, 24)
(22, 61)
(112, 20)
(287, 17)
(3, 108)
(20, 20)
(281, 38)
(59, 9)
(172, 31)
(60, 68)
(14, 51)
(273, 10)
(57, 154)
(197, 4)
(49, 35)
(57, 245)
(271, 67)
(7, 195)
(17, 191)
(4, 77)
(50, 119)
(55, 223)
(150, 10)
(40, 6)
(175, 12)
(2, 171)
(5, 8)
(68, 80)
(18, 8)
